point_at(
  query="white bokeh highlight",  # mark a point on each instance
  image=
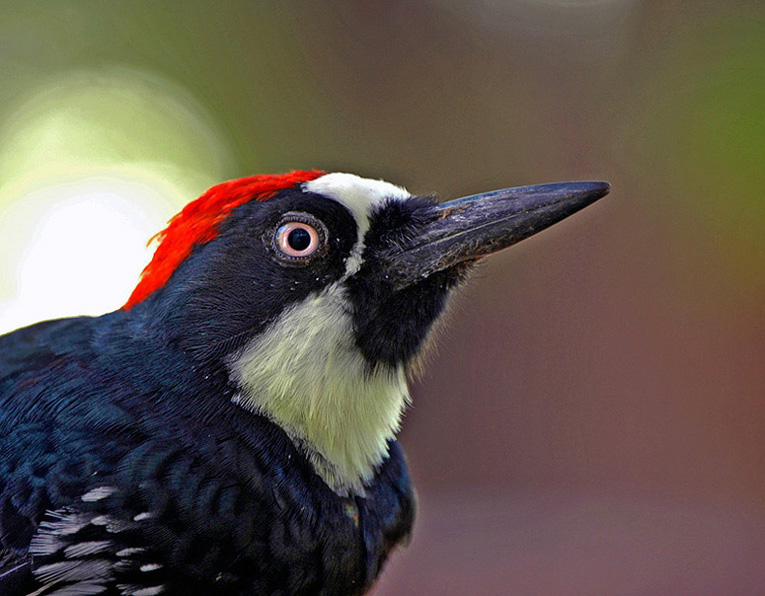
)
(92, 165)
(85, 246)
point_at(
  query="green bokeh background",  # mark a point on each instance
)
(594, 418)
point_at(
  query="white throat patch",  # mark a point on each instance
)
(306, 374)
(359, 195)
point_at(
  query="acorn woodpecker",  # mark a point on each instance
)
(231, 429)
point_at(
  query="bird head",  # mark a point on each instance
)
(316, 292)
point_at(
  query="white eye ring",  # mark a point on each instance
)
(297, 239)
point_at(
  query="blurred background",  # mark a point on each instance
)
(593, 421)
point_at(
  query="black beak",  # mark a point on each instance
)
(467, 229)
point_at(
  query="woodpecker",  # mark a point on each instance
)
(232, 429)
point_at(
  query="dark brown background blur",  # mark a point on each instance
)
(593, 419)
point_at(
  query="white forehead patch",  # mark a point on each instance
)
(359, 195)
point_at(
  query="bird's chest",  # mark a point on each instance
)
(312, 547)
(320, 544)
(278, 529)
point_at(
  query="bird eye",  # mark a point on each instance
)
(298, 237)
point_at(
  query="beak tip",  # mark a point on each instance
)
(586, 192)
(602, 187)
(594, 188)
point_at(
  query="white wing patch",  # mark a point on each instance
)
(359, 196)
(82, 567)
(97, 570)
(66, 564)
(129, 590)
(98, 493)
(78, 589)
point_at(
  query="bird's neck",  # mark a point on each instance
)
(306, 374)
